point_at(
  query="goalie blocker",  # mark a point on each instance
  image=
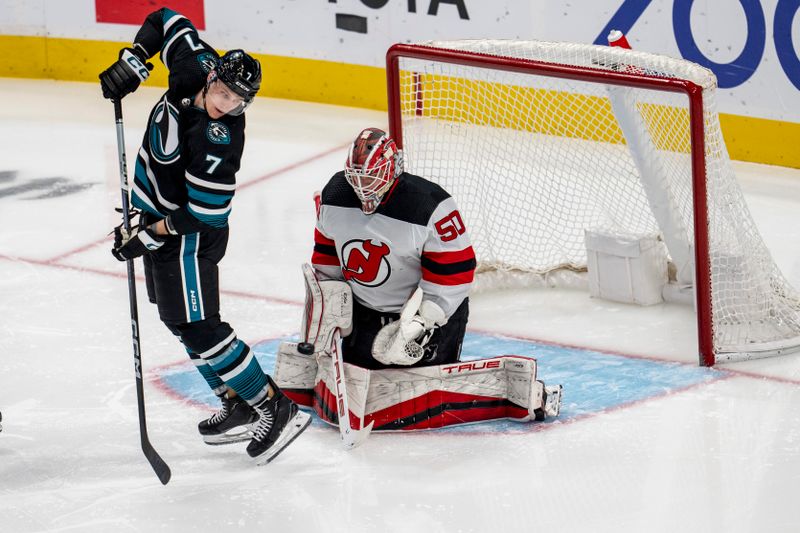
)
(415, 398)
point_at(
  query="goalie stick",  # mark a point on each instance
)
(159, 466)
(351, 437)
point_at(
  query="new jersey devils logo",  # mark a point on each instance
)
(365, 262)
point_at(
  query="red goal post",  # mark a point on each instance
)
(484, 89)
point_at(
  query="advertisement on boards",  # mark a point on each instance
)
(753, 46)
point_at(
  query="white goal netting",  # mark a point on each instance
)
(535, 158)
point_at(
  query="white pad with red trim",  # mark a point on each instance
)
(294, 370)
(422, 397)
(329, 305)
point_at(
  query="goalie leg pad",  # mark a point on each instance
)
(295, 373)
(329, 305)
(438, 396)
(357, 381)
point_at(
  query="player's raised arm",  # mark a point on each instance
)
(169, 33)
(166, 32)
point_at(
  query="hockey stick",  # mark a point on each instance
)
(351, 437)
(159, 466)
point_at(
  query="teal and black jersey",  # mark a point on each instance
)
(186, 167)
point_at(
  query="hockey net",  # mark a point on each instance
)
(538, 142)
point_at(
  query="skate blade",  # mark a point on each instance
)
(294, 428)
(245, 434)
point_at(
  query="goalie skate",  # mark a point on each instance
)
(551, 402)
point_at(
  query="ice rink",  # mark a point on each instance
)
(647, 441)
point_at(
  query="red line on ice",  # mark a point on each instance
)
(241, 187)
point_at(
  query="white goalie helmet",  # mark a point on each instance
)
(373, 164)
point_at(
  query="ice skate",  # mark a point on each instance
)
(551, 402)
(280, 422)
(234, 422)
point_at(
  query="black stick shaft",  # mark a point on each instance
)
(159, 466)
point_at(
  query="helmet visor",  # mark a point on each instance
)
(225, 99)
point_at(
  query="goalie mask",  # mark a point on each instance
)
(373, 164)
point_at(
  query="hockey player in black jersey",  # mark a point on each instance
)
(184, 182)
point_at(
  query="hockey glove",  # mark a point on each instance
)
(136, 243)
(402, 342)
(124, 76)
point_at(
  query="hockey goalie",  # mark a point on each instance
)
(387, 294)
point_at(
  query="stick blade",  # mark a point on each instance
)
(159, 466)
(353, 438)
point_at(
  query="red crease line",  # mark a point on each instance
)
(83, 248)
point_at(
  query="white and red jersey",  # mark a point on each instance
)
(416, 238)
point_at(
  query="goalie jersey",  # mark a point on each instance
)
(416, 238)
(187, 163)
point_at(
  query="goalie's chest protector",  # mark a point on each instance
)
(380, 254)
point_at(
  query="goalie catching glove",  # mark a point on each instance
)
(403, 341)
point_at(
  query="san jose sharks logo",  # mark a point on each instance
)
(164, 141)
(365, 262)
(218, 133)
